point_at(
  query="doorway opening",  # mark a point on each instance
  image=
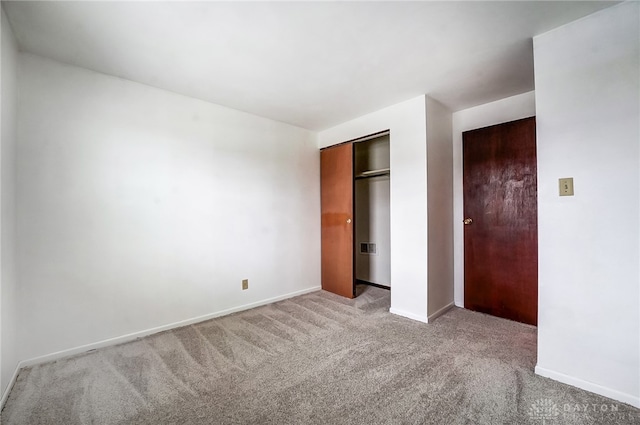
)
(372, 237)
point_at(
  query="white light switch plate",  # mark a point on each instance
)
(566, 186)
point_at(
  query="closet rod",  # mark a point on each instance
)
(374, 173)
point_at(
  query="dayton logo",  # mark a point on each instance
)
(544, 409)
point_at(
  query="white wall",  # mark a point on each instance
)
(8, 283)
(588, 124)
(505, 110)
(440, 208)
(138, 208)
(407, 124)
(372, 212)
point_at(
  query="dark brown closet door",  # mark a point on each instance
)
(336, 178)
(501, 220)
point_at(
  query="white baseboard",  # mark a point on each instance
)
(12, 381)
(440, 312)
(408, 315)
(589, 386)
(133, 336)
(420, 318)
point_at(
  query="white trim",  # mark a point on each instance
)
(12, 381)
(440, 312)
(408, 315)
(132, 336)
(589, 386)
(135, 335)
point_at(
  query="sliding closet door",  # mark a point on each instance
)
(336, 178)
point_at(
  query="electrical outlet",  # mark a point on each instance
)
(245, 284)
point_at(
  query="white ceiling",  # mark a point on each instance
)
(311, 64)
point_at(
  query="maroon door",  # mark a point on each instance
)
(501, 220)
(336, 191)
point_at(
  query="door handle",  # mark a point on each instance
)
(467, 221)
(348, 221)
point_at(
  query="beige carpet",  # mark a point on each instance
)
(314, 359)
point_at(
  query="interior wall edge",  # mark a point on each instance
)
(439, 207)
(433, 316)
(8, 278)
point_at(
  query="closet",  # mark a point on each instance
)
(355, 199)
